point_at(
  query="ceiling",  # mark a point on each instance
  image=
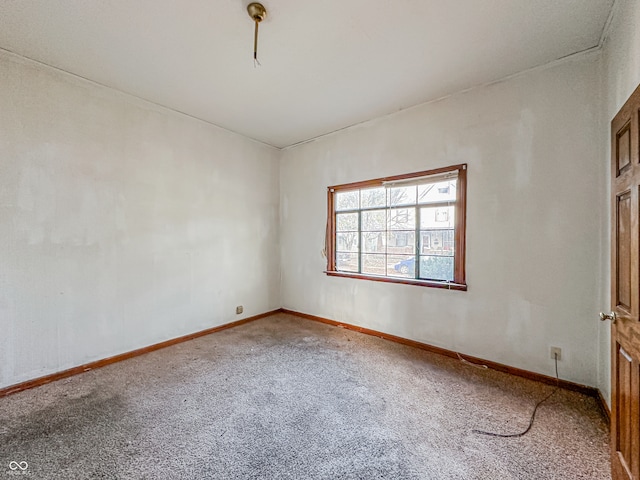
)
(325, 65)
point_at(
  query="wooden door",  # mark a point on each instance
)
(625, 292)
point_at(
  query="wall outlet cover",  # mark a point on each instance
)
(554, 351)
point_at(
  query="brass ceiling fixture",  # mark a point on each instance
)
(257, 12)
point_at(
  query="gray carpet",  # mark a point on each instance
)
(287, 398)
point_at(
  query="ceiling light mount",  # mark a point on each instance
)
(257, 12)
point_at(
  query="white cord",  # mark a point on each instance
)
(477, 365)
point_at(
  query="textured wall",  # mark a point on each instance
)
(536, 215)
(122, 224)
(620, 77)
(118, 225)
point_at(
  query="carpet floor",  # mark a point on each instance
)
(288, 398)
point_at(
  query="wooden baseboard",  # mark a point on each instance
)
(36, 382)
(594, 392)
(576, 387)
(604, 407)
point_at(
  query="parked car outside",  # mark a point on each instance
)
(406, 266)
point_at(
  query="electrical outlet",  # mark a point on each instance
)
(239, 309)
(556, 351)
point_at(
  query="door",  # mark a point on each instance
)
(625, 292)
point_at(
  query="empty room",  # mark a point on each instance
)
(320, 240)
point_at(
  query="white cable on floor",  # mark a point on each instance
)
(477, 365)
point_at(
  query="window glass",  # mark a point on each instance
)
(401, 266)
(403, 195)
(347, 262)
(347, 200)
(438, 217)
(374, 220)
(373, 197)
(347, 242)
(406, 229)
(437, 192)
(436, 268)
(347, 222)
(402, 219)
(373, 264)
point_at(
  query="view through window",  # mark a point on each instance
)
(409, 227)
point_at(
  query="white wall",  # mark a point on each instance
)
(116, 231)
(536, 219)
(122, 224)
(620, 77)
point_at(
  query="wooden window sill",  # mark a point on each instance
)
(406, 281)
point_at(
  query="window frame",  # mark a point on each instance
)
(459, 271)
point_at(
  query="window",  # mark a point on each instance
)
(403, 229)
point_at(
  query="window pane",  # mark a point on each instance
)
(373, 197)
(402, 195)
(404, 229)
(347, 262)
(437, 242)
(401, 266)
(373, 264)
(436, 268)
(402, 219)
(346, 222)
(373, 242)
(438, 192)
(347, 242)
(347, 200)
(437, 217)
(374, 220)
(401, 242)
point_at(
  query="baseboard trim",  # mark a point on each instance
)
(576, 387)
(604, 407)
(36, 382)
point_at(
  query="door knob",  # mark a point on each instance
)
(608, 316)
